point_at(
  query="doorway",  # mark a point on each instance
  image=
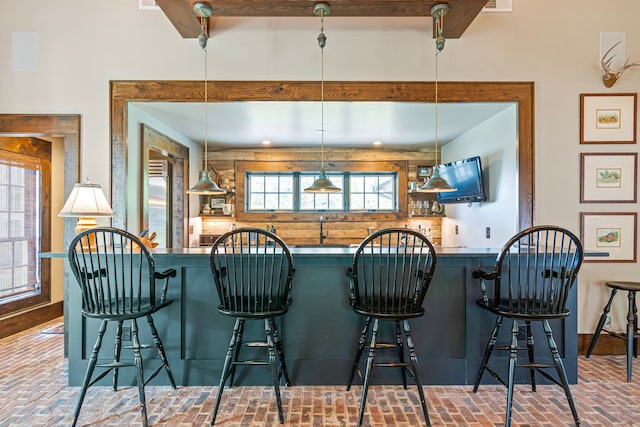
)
(163, 205)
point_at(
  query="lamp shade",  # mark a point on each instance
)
(436, 184)
(86, 200)
(205, 186)
(322, 184)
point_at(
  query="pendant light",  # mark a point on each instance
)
(437, 184)
(322, 184)
(205, 186)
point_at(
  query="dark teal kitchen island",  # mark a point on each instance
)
(320, 330)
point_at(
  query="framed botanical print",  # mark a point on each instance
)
(612, 233)
(608, 118)
(608, 177)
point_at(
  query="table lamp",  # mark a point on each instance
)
(86, 202)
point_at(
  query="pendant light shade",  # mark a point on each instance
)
(437, 184)
(205, 186)
(322, 184)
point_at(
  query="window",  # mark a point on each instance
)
(270, 192)
(20, 191)
(25, 189)
(370, 191)
(321, 201)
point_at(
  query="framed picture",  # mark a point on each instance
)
(217, 202)
(611, 233)
(423, 172)
(608, 118)
(608, 177)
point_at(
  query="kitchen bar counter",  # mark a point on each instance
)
(320, 330)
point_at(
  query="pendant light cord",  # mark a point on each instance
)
(206, 108)
(436, 102)
(321, 41)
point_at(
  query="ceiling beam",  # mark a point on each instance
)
(182, 16)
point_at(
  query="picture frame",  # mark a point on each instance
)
(613, 233)
(423, 172)
(608, 177)
(217, 202)
(608, 118)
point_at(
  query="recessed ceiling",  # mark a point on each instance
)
(246, 124)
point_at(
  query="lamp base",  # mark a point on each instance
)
(85, 223)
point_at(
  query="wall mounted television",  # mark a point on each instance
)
(466, 176)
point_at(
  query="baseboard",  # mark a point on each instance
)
(606, 344)
(29, 319)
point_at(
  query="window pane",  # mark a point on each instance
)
(357, 201)
(373, 191)
(321, 201)
(20, 193)
(270, 191)
(256, 183)
(365, 191)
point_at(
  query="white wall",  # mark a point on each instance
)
(495, 142)
(83, 44)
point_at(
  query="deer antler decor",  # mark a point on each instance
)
(610, 76)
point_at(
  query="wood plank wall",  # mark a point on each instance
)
(339, 229)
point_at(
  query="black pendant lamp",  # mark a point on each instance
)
(205, 186)
(437, 184)
(322, 184)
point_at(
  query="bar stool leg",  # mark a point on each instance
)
(274, 367)
(116, 353)
(631, 331)
(601, 322)
(562, 373)
(278, 343)
(236, 353)
(635, 326)
(513, 359)
(161, 353)
(530, 352)
(226, 368)
(487, 352)
(361, 343)
(400, 344)
(367, 375)
(416, 373)
(90, 367)
(137, 357)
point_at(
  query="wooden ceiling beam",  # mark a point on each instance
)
(182, 16)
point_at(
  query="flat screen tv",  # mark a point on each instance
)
(466, 176)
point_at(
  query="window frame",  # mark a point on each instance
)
(34, 147)
(342, 179)
(400, 167)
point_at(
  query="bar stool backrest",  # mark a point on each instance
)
(115, 272)
(535, 272)
(253, 272)
(392, 271)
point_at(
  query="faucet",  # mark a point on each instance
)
(322, 235)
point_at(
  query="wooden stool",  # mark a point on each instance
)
(631, 335)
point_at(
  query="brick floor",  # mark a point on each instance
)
(33, 392)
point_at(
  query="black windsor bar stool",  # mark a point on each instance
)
(532, 279)
(253, 274)
(391, 273)
(119, 284)
(631, 335)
